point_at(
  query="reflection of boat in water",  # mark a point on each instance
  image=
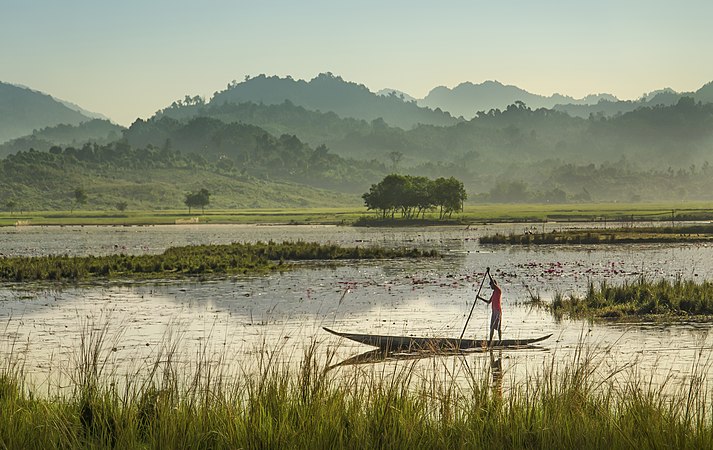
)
(432, 344)
(378, 355)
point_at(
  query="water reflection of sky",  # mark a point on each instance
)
(431, 297)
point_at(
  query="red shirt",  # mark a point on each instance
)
(495, 299)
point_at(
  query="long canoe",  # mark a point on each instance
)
(400, 343)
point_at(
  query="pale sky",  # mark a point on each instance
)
(129, 58)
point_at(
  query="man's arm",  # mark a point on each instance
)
(483, 299)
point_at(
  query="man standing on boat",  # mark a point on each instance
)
(497, 311)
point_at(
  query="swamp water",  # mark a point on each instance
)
(237, 320)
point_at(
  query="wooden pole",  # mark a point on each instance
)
(487, 272)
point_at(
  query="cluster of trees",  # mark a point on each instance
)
(412, 196)
(198, 199)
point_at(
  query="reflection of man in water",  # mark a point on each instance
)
(497, 311)
(496, 367)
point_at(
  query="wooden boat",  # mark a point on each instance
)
(409, 343)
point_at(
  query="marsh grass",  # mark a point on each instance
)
(197, 261)
(641, 298)
(661, 234)
(573, 401)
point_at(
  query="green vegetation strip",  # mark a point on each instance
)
(564, 405)
(641, 298)
(200, 260)
(692, 233)
(609, 213)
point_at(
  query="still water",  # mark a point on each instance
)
(237, 318)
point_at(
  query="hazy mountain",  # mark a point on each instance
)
(705, 93)
(94, 131)
(252, 150)
(312, 127)
(400, 94)
(23, 110)
(608, 107)
(467, 99)
(327, 92)
(79, 109)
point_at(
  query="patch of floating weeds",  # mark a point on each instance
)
(199, 260)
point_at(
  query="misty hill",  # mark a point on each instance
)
(143, 179)
(95, 131)
(249, 149)
(467, 99)
(661, 97)
(605, 107)
(506, 145)
(23, 110)
(326, 93)
(312, 127)
(400, 94)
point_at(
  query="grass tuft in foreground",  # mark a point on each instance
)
(199, 260)
(571, 402)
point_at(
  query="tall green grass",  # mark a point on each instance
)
(642, 297)
(572, 401)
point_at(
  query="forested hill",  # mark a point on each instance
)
(312, 127)
(23, 110)
(242, 165)
(327, 92)
(95, 131)
(249, 149)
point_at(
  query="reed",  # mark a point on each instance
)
(572, 401)
(640, 298)
(631, 235)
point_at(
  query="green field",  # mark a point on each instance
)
(536, 213)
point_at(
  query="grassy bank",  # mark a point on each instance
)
(641, 298)
(472, 214)
(631, 235)
(570, 402)
(199, 260)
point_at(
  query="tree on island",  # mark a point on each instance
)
(199, 199)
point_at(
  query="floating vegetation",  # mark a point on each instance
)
(640, 298)
(199, 260)
(692, 233)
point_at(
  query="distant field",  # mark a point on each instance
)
(346, 216)
(590, 212)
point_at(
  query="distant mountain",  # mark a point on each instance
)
(312, 127)
(95, 131)
(400, 94)
(607, 107)
(467, 99)
(705, 93)
(328, 92)
(79, 109)
(23, 110)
